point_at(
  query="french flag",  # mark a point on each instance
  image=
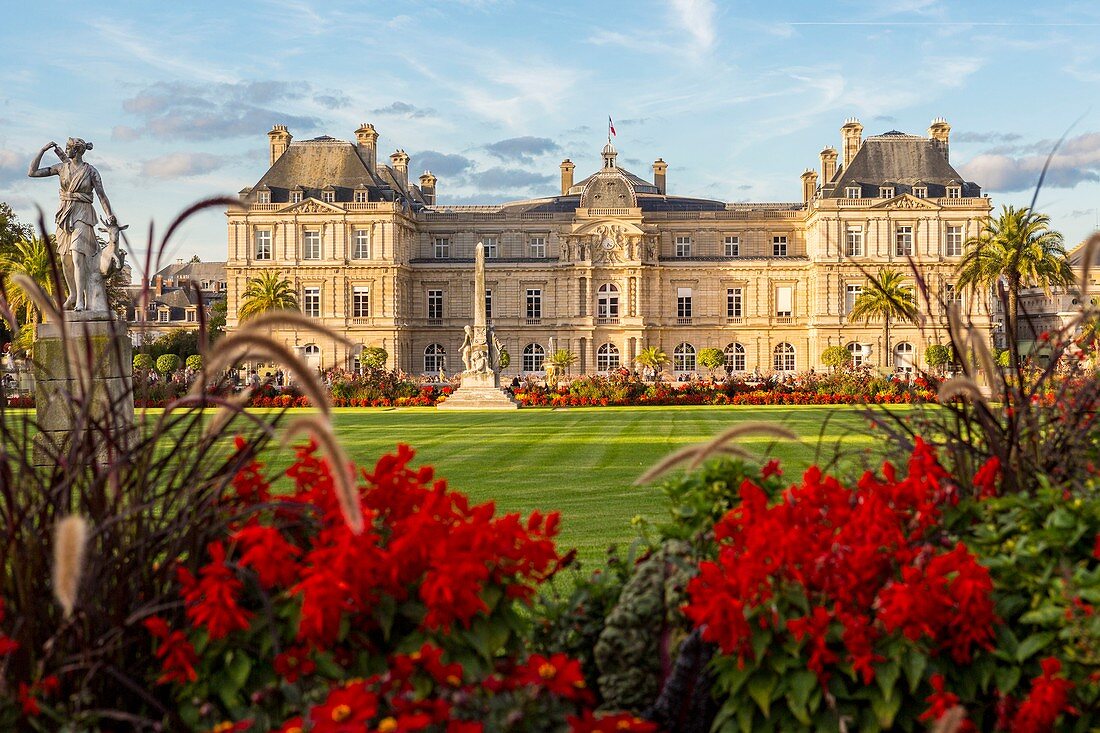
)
(611, 125)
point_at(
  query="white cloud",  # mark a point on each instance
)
(181, 165)
(697, 18)
(1077, 161)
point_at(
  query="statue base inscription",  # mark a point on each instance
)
(83, 385)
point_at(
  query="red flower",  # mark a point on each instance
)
(212, 600)
(294, 663)
(557, 674)
(985, 480)
(177, 655)
(771, 468)
(403, 723)
(815, 626)
(266, 551)
(228, 726)
(1048, 699)
(590, 722)
(347, 709)
(939, 702)
(294, 725)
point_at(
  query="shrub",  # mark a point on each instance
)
(374, 357)
(144, 362)
(711, 358)
(168, 363)
(938, 356)
(505, 358)
(194, 362)
(836, 357)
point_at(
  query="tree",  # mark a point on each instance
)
(215, 327)
(374, 357)
(887, 298)
(168, 363)
(836, 357)
(193, 362)
(144, 362)
(938, 356)
(181, 342)
(711, 358)
(654, 358)
(11, 231)
(1017, 249)
(268, 292)
(558, 364)
(30, 257)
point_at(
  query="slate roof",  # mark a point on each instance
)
(194, 271)
(902, 161)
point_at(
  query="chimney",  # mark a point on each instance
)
(828, 165)
(852, 134)
(660, 169)
(366, 140)
(160, 286)
(427, 187)
(400, 160)
(940, 132)
(809, 185)
(566, 176)
(280, 141)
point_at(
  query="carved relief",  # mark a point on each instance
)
(312, 206)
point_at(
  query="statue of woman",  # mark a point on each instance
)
(76, 219)
(467, 347)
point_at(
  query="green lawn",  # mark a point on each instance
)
(582, 462)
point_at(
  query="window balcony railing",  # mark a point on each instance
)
(609, 321)
(784, 320)
(360, 321)
(683, 321)
(734, 320)
(534, 321)
(434, 321)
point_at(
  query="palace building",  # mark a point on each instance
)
(611, 263)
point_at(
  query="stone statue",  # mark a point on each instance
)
(498, 347)
(77, 245)
(467, 346)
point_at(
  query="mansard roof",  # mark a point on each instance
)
(901, 160)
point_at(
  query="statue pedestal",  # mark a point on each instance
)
(83, 386)
(479, 391)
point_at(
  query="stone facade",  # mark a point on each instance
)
(609, 265)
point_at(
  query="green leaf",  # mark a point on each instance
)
(886, 675)
(885, 708)
(802, 683)
(760, 688)
(239, 667)
(1033, 644)
(914, 664)
(1007, 678)
(385, 610)
(327, 666)
(798, 710)
(744, 718)
(1044, 615)
(760, 641)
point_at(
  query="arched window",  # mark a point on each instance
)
(607, 301)
(735, 357)
(856, 350)
(903, 357)
(784, 358)
(533, 357)
(311, 349)
(435, 359)
(607, 358)
(312, 354)
(683, 358)
(356, 364)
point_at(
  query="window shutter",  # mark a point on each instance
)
(783, 299)
(683, 292)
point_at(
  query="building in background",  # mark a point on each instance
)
(171, 301)
(611, 263)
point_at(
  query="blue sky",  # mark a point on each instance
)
(738, 97)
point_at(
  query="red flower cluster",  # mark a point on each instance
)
(212, 601)
(940, 702)
(9, 645)
(1049, 698)
(591, 722)
(558, 674)
(177, 655)
(862, 560)
(28, 696)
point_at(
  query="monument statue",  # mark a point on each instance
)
(83, 264)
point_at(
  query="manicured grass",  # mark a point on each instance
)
(582, 462)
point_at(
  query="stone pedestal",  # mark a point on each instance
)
(83, 373)
(480, 391)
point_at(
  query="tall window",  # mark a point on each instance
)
(311, 244)
(263, 244)
(435, 359)
(361, 247)
(953, 241)
(853, 242)
(733, 246)
(735, 357)
(607, 358)
(534, 303)
(683, 246)
(490, 247)
(903, 357)
(851, 295)
(533, 357)
(442, 248)
(683, 358)
(951, 294)
(779, 246)
(683, 302)
(903, 241)
(489, 304)
(360, 301)
(735, 302)
(538, 246)
(311, 302)
(435, 304)
(360, 197)
(783, 358)
(163, 315)
(852, 192)
(856, 350)
(784, 301)
(607, 301)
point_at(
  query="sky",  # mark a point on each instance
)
(491, 95)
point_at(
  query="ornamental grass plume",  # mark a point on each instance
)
(694, 455)
(70, 541)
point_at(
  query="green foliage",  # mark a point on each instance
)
(373, 357)
(711, 358)
(886, 298)
(179, 341)
(215, 326)
(836, 357)
(168, 363)
(653, 358)
(938, 356)
(267, 292)
(193, 362)
(11, 231)
(505, 358)
(144, 361)
(1004, 358)
(697, 500)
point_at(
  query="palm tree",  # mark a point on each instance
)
(654, 358)
(1018, 249)
(887, 298)
(30, 257)
(558, 364)
(268, 292)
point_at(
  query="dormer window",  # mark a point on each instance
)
(920, 192)
(886, 192)
(360, 197)
(852, 192)
(954, 192)
(295, 197)
(264, 197)
(328, 196)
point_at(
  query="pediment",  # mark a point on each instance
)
(615, 228)
(907, 201)
(311, 206)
